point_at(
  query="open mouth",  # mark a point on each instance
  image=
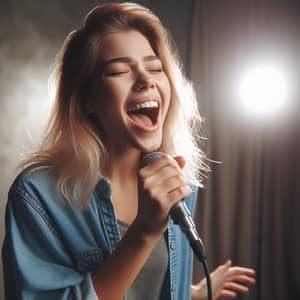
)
(145, 114)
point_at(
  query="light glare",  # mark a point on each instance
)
(263, 90)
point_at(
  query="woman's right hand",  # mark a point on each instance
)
(161, 184)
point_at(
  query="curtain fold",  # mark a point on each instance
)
(249, 209)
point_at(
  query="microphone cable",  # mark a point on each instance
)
(182, 217)
(198, 248)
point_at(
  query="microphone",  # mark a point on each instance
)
(181, 215)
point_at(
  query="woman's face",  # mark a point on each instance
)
(132, 93)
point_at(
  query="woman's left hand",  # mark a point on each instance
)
(226, 281)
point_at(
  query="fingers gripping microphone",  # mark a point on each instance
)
(181, 216)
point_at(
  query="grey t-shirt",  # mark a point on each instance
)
(147, 285)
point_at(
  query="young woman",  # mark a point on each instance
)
(83, 220)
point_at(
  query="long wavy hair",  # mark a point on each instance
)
(71, 145)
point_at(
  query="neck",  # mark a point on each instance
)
(121, 171)
(122, 165)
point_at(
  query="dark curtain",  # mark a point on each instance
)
(248, 211)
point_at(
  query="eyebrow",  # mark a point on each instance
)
(127, 59)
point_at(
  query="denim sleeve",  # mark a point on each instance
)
(192, 199)
(36, 263)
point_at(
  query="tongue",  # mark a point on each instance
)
(141, 119)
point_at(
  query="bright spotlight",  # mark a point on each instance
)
(263, 90)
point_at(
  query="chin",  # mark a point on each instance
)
(150, 149)
(149, 146)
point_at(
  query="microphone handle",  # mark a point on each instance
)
(181, 216)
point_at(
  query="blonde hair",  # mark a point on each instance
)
(71, 145)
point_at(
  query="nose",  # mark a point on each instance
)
(143, 82)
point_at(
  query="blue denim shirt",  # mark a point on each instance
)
(51, 248)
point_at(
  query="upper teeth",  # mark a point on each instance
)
(146, 104)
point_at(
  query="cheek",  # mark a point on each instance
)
(107, 90)
(114, 93)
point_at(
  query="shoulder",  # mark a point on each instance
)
(34, 177)
(35, 173)
(33, 183)
(31, 197)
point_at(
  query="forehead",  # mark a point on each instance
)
(129, 43)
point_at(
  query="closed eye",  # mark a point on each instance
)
(115, 73)
(158, 70)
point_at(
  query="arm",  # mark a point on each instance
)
(39, 266)
(35, 261)
(226, 281)
(161, 184)
(124, 264)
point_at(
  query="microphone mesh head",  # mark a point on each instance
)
(149, 157)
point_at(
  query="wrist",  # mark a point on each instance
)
(142, 234)
(198, 292)
(194, 292)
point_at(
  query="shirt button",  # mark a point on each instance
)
(172, 246)
(173, 288)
